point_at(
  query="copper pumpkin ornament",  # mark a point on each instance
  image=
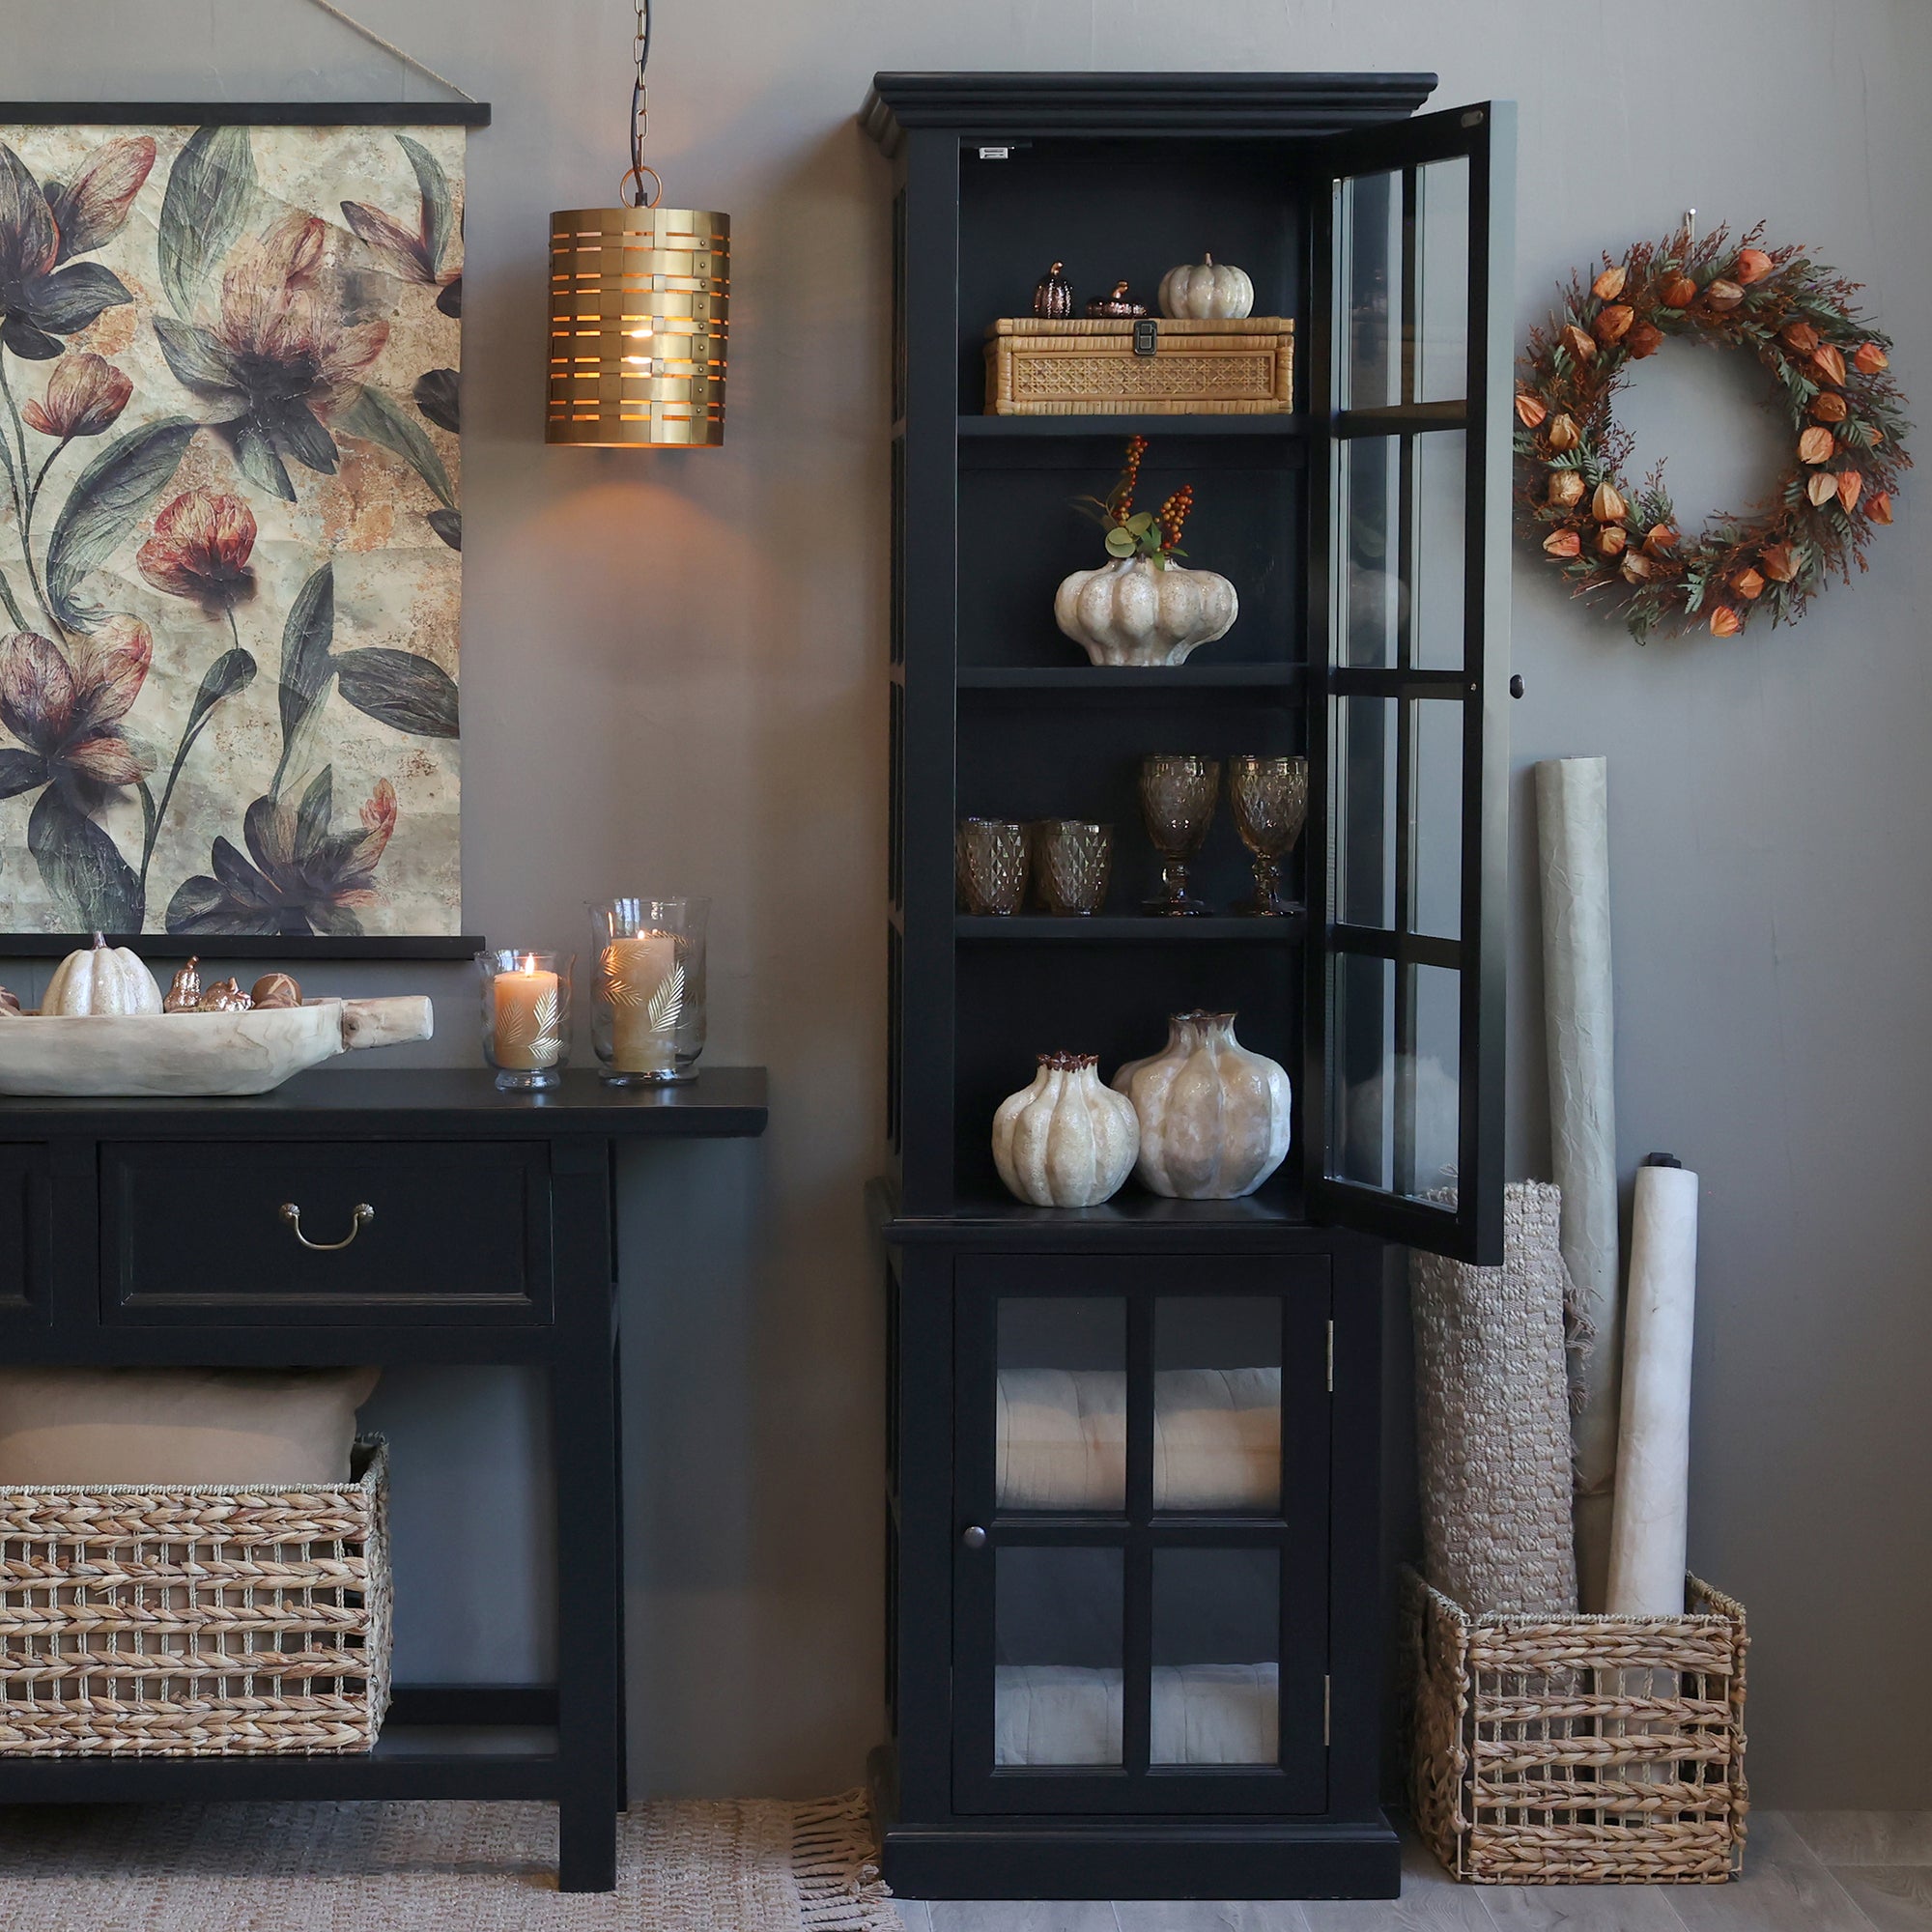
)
(1052, 295)
(225, 996)
(1118, 306)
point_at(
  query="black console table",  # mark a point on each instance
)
(146, 1231)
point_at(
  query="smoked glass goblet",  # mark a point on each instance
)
(1270, 797)
(1178, 794)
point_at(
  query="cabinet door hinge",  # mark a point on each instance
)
(1331, 1357)
(1324, 1711)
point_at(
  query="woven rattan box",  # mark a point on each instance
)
(1155, 367)
(1578, 1751)
(197, 1621)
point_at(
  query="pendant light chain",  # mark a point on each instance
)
(640, 103)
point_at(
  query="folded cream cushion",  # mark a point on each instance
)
(1063, 1438)
(280, 1427)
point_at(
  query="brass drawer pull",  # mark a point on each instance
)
(359, 1220)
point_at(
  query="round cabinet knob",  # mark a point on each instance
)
(974, 1537)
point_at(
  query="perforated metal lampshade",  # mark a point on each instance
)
(640, 298)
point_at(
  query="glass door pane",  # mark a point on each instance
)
(1217, 1406)
(1216, 1657)
(1412, 647)
(1061, 1412)
(1057, 1657)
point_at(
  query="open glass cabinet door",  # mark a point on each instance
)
(1408, 639)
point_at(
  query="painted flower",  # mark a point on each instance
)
(199, 549)
(43, 294)
(425, 253)
(85, 394)
(67, 712)
(286, 350)
(303, 879)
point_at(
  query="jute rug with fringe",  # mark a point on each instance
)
(734, 1866)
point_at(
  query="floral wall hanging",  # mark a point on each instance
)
(230, 577)
(1623, 542)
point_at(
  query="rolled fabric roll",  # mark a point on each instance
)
(1647, 1536)
(1574, 848)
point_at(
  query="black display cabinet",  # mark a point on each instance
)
(1133, 1491)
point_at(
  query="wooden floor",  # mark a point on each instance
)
(1804, 1872)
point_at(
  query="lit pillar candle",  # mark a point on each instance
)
(528, 1034)
(643, 1014)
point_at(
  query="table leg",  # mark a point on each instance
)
(590, 1663)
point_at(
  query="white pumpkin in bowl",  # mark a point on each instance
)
(1135, 611)
(101, 979)
(1065, 1141)
(1207, 290)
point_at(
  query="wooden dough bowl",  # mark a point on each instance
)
(120, 1056)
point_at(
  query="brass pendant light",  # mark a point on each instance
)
(639, 297)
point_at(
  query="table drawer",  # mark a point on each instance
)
(291, 1232)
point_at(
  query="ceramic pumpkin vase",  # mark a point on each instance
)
(1134, 610)
(1065, 1141)
(1213, 1116)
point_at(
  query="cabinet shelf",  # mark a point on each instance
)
(1138, 929)
(1293, 428)
(1128, 678)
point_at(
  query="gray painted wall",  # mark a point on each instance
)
(673, 680)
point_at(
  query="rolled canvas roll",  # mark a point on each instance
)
(1572, 844)
(1654, 1449)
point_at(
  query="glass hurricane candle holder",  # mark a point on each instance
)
(1071, 863)
(526, 1015)
(1269, 798)
(990, 866)
(1178, 794)
(648, 998)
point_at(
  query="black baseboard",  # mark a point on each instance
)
(1133, 1859)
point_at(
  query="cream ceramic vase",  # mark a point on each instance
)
(1065, 1141)
(1131, 611)
(1213, 1116)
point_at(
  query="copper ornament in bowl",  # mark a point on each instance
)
(276, 989)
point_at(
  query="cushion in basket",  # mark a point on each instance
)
(278, 1427)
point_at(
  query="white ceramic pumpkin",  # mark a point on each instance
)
(1133, 612)
(1213, 1116)
(1065, 1141)
(101, 979)
(1207, 290)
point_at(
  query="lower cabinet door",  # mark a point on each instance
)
(1140, 1581)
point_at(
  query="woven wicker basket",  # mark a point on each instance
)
(1581, 1750)
(195, 1620)
(1090, 368)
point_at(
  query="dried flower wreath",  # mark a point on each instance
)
(1622, 542)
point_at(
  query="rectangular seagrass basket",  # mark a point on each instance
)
(1578, 1751)
(1091, 368)
(195, 1620)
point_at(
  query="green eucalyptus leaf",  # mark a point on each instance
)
(1119, 543)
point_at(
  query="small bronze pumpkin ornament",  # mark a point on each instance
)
(1052, 295)
(185, 995)
(225, 996)
(275, 989)
(1118, 306)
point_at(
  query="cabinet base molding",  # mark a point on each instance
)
(1138, 1858)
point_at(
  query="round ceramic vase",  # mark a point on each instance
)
(1065, 1141)
(1213, 1116)
(1131, 611)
